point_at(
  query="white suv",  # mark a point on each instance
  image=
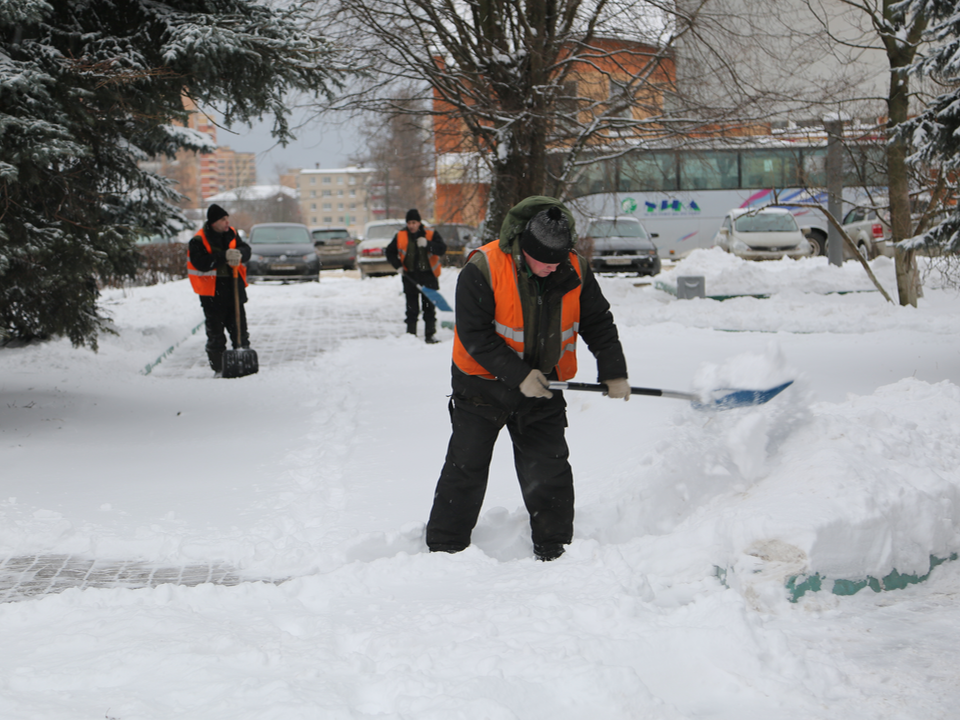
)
(376, 236)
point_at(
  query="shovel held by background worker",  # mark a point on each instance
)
(240, 361)
(430, 294)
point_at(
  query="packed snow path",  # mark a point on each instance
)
(285, 330)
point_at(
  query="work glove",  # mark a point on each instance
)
(233, 257)
(536, 385)
(617, 388)
(421, 241)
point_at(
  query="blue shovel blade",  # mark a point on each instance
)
(436, 298)
(742, 398)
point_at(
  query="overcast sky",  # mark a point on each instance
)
(330, 144)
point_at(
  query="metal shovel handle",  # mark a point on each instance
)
(599, 387)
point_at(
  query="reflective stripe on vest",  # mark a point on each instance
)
(403, 239)
(508, 316)
(204, 282)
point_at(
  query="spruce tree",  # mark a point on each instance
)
(935, 133)
(88, 89)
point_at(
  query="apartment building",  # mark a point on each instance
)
(336, 196)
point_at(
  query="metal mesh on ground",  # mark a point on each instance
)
(26, 576)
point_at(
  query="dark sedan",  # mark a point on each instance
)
(619, 244)
(282, 251)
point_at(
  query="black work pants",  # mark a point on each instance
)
(414, 300)
(541, 459)
(220, 314)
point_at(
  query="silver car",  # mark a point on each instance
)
(870, 231)
(619, 244)
(765, 234)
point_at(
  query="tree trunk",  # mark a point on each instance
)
(900, 53)
(519, 171)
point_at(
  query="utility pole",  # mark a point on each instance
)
(834, 128)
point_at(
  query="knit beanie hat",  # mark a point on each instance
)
(413, 214)
(547, 236)
(215, 212)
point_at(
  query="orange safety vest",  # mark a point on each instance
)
(403, 238)
(508, 316)
(205, 282)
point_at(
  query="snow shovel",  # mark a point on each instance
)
(432, 295)
(730, 400)
(241, 361)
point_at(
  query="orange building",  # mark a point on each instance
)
(598, 78)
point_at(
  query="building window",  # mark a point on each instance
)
(353, 180)
(313, 180)
(313, 206)
(340, 182)
(326, 206)
(328, 220)
(340, 219)
(326, 179)
(313, 220)
(339, 193)
(313, 193)
(326, 193)
(339, 206)
(353, 206)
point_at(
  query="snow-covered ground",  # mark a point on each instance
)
(672, 601)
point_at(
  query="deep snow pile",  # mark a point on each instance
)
(671, 602)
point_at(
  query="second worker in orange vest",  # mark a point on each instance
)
(211, 256)
(523, 301)
(416, 253)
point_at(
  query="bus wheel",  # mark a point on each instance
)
(818, 242)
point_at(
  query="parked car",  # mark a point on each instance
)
(870, 231)
(765, 234)
(457, 237)
(619, 244)
(336, 247)
(376, 236)
(282, 251)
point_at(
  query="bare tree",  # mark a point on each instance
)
(535, 90)
(398, 148)
(896, 29)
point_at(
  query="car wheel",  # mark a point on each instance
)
(818, 242)
(864, 250)
(363, 273)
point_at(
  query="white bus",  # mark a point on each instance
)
(682, 195)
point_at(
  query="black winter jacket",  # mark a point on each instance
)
(541, 300)
(417, 265)
(204, 261)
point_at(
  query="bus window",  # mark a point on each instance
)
(709, 170)
(650, 171)
(597, 177)
(768, 168)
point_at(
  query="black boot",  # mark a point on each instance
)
(216, 361)
(411, 329)
(431, 340)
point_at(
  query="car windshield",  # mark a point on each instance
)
(616, 228)
(383, 232)
(331, 235)
(766, 222)
(280, 236)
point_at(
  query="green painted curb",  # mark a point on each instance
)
(799, 585)
(150, 366)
